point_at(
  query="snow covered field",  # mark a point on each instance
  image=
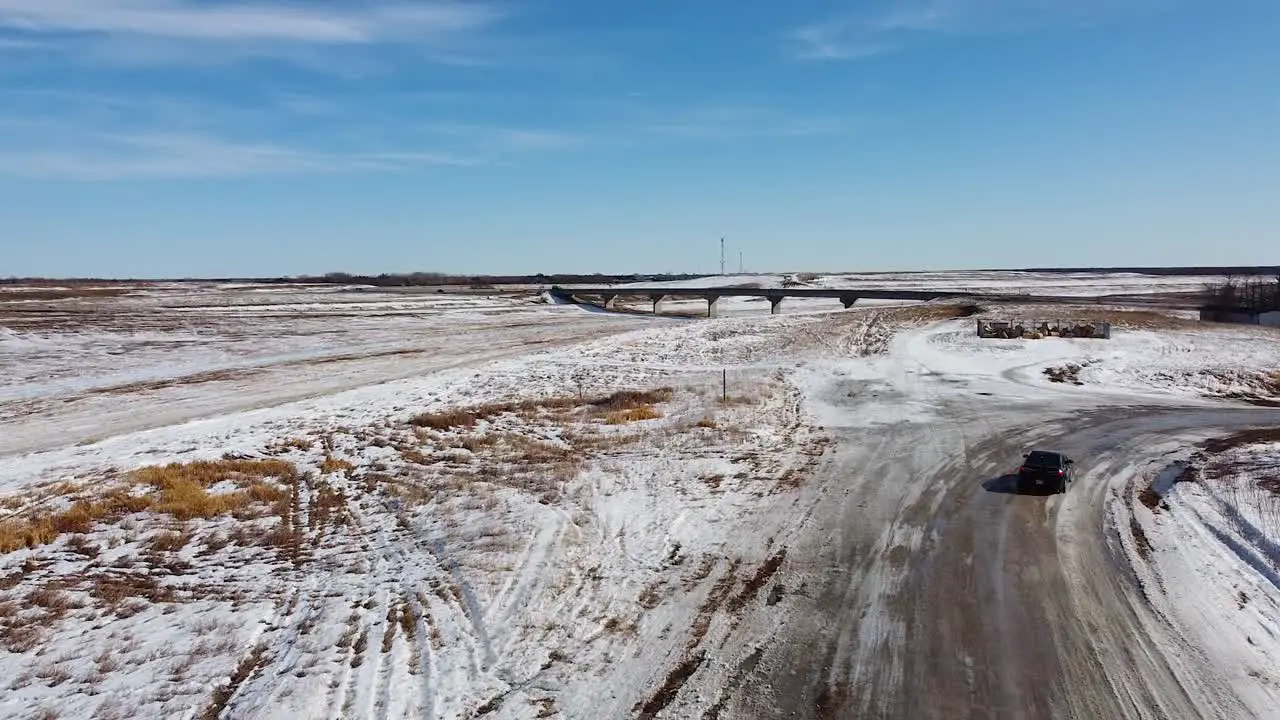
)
(339, 502)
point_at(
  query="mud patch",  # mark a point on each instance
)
(1140, 538)
(757, 581)
(671, 687)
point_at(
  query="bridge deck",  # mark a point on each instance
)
(721, 292)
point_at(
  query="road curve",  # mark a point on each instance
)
(927, 588)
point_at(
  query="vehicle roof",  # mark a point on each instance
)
(1044, 457)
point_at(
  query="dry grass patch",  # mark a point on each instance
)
(210, 472)
(52, 598)
(168, 542)
(600, 405)
(639, 414)
(446, 420)
(335, 465)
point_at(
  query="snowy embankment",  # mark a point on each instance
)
(1204, 541)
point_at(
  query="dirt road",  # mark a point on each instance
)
(927, 588)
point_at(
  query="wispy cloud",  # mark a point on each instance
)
(173, 32)
(881, 27)
(165, 156)
(60, 134)
(184, 19)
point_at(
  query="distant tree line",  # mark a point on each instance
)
(1247, 293)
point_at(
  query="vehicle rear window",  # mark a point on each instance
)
(1043, 459)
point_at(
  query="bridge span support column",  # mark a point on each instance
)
(712, 300)
(848, 300)
(658, 300)
(775, 305)
(610, 301)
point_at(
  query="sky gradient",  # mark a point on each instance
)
(170, 138)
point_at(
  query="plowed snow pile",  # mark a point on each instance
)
(1205, 542)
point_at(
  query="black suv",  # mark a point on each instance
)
(1043, 470)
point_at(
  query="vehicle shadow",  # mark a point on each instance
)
(1008, 485)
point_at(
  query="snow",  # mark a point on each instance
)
(506, 564)
(1210, 561)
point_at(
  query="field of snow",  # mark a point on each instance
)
(338, 502)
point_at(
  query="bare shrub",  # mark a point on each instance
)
(115, 588)
(21, 638)
(80, 545)
(53, 599)
(106, 663)
(54, 675)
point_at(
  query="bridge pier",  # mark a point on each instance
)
(711, 305)
(775, 305)
(658, 300)
(610, 301)
(848, 300)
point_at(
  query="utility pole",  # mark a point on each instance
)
(740, 262)
(722, 256)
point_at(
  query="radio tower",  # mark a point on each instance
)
(721, 256)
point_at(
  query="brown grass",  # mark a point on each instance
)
(336, 465)
(446, 420)
(169, 542)
(180, 492)
(210, 472)
(601, 405)
(115, 588)
(638, 414)
(80, 545)
(53, 599)
(222, 694)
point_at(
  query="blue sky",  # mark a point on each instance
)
(209, 138)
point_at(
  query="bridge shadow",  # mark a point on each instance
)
(1008, 485)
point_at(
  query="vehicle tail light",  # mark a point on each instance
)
(1061, 473)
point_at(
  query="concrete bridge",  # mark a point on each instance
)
(609, 295)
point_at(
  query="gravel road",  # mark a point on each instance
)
(926, 587)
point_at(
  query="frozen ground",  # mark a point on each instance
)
(317, 502)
